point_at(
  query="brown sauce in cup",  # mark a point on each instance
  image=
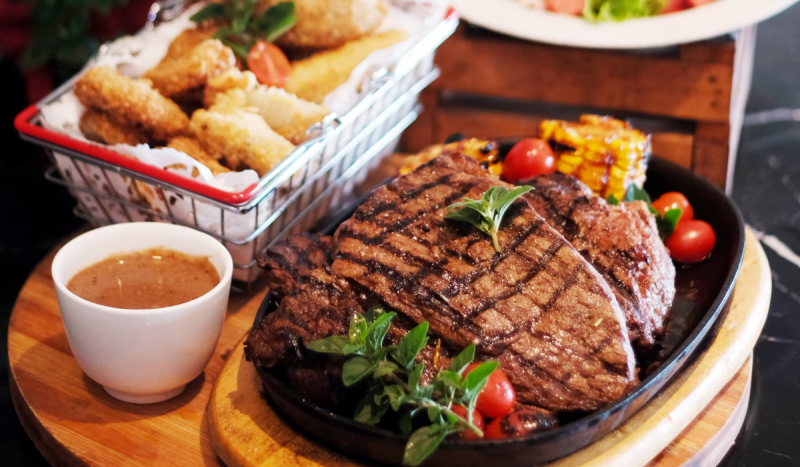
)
(153, 278)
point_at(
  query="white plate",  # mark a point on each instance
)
(704, 22)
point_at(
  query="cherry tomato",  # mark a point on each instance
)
(528, 158)
(269, 64)
(498, 396)
(567, 7)
(675, 5)
(674, 200)
(520, 423)
(477, 420)
(694, 3)
(692, 241)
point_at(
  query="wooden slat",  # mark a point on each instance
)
(657, 85)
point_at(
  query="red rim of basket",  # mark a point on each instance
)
(23, 125)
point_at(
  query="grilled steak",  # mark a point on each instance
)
(537, 307)
(622, 244)
(315, 303)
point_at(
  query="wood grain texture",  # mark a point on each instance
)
(241, 421)
(698, 88)
(75, 423)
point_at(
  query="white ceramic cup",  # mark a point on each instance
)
(142, 356)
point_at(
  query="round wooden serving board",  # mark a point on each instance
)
(695, 418)
(75, 423)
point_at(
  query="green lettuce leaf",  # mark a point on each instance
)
(598, 11)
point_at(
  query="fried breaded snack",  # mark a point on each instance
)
(131, 102)
(285, 113)
(230, 79)
(192, 148)
(329, 23)
(100, 127)
(189, 39)
(315, 77)
(176, 75)
(242, 139)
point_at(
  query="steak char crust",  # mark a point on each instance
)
(537, 307)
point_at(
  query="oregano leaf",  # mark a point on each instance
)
(464, 358)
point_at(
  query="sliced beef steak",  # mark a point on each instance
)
(621, 242)
(537, 306)
(315, 303)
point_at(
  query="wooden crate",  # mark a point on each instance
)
(693, 96)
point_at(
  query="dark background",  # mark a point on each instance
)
(767, 189)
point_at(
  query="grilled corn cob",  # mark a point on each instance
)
(604, 153)
(484, 151)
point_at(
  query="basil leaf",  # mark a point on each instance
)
(395, 393)
(507, 200)
(612, 200)
(371, 408)
(634, 193)
(373, 313)
(435, 414)
(276, 21)
(238, 49)
(356, 369)
(405, 423)
(452, 379)
(358, 329)
(384, 368)
(415, 377)
(476, 379)
(210, 11)
(381, 353)
(464, 358)
(332, 344)
(467, 215)
(350, 349)
(410, 345)
(377, 331)
(666, 224)
(422, 443)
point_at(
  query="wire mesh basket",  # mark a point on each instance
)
(111, 188)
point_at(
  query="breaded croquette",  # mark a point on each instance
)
(100, 127)
(315, 77)
(329, 23)
(177, 75)
(285, 113)
(230, 79)
(189, 39)
(131, 102)
(192, 148)
(242, 139)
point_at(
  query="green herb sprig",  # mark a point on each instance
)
(487, 213)
(621, 10)
(394, 381)
(666, 223)
(244, 28)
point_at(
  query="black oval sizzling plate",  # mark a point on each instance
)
(702, 296)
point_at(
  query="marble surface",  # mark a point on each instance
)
(767, 189)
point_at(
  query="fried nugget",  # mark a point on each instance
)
(131, 103)
(242, 139)
(285, 113)
(230, 79)
(315, 77)
(100, 127)
(192, 148)
(329, 23)
(177, 75)
(189, 39)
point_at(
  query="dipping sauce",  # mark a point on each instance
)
(153, 278)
